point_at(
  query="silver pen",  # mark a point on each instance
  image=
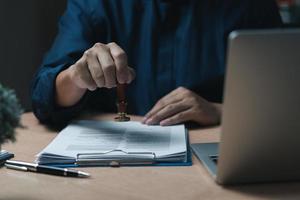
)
(32, 167)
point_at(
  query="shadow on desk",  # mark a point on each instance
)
(268, 190)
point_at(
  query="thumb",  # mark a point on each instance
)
(131, 75)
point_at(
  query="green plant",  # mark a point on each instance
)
(10, 113)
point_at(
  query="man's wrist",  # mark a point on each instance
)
(67, 92)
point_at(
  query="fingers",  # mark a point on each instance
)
(173, 97)
(120, 60)
(123, 72)
(107, 64)
(95, 68)
(131, 75)
(178, 118)
(82, 76)
(183, 105)
(168, 111)
(103, 66)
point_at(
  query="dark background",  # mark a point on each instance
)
(27, 29)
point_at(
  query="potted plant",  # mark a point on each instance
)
(10, 113)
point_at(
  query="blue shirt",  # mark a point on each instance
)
(169, 43)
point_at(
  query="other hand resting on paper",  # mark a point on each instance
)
(183, 105)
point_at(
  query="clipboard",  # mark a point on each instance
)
(115, 160)
(105, 159)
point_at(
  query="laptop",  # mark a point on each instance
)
(260, 132)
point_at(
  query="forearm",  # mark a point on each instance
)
(67, 93)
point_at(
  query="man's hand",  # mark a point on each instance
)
(183, 105)
(100, 66)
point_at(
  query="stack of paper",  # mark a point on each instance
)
(95, 142)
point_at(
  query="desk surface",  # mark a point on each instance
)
(126, 182)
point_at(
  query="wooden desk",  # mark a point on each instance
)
(140, 183)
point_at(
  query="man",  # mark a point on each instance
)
(171, 53)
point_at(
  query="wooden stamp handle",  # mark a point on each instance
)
(122, 103)
(121, 89)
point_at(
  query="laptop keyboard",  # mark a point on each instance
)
(214, 158)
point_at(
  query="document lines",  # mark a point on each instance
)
(107, 143)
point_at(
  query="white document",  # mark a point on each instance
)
(92, 138)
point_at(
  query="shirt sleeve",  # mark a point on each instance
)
(75, 35)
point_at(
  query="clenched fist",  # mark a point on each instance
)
(103, 65)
